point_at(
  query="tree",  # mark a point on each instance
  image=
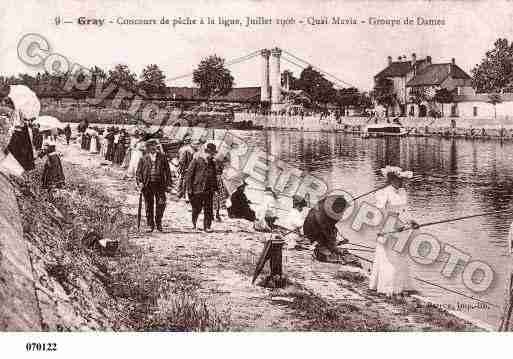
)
(443, 96)
(417, 96)
(153, 80)
(347, 97)
(494, 98)
(212, 77)
(316, 86)
(288, 76)
(365, 101)
(495, 72)
(123, 77)
(97, 75)
(384, 94)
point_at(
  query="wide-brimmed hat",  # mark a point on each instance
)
(211, 148)
(394, 171)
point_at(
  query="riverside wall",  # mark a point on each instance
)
(19, 309)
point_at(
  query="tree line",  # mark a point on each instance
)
(46, 84)
(211, 76)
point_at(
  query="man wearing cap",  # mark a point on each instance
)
(154, 177)
(201, 182)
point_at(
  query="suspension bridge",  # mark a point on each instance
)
(271, 86)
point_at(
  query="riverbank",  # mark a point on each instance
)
(320, 296)
(81, 286)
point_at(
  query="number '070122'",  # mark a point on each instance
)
(41, 347)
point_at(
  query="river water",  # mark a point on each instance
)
(452, 178)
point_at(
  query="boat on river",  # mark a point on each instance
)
(383, 129)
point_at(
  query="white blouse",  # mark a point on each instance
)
(394, 201)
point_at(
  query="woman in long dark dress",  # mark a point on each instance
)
(110, 144)
(53, 175)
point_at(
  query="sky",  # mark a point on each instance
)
(353, 53)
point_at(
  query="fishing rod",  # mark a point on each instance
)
(302, 236)
(360, 250)
(370, 192)
(360, 245)
(448, 220)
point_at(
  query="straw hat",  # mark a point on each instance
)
(394, 171)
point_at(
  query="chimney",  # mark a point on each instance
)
(428, 59)
(453, 60)
(413, 59)
(389, 58)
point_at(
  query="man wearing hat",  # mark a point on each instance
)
(320, 228)
(154, 177)
(201, 182)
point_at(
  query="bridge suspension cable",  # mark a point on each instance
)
(318, 69)
(228, 63)
(293, 63)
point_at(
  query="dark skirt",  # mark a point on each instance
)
(109, 156)
(53, 175)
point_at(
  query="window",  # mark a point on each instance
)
(475, 111)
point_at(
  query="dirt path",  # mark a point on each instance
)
(222, 263)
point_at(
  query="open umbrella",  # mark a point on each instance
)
(25, 101)
(91, 132)
(49, 123)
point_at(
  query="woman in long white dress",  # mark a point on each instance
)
(135, 156)
(103, 144)
(93, 146)
(128, 155)
(390, 273)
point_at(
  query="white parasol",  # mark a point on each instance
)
(91, 132)
(25, 101)
(49, 123)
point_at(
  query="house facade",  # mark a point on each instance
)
(477, 106)
(416, 81)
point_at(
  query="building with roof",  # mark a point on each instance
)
(478, 106)
(416, 81)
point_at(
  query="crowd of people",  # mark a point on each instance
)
(195, 175)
